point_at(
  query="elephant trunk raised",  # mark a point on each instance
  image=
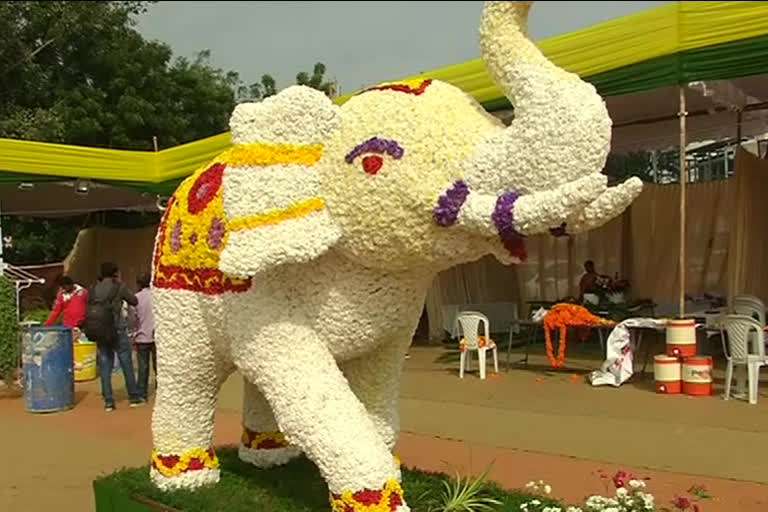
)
(543, 170)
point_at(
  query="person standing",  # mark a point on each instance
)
(106, 324)
(144, 335)
(70, 304)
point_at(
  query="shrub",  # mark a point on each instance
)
(9, 330)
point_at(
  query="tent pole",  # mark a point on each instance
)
(683, 179)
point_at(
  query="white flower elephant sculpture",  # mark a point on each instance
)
(301, 256)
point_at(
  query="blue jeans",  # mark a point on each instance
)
(144, 353)
(106, 354)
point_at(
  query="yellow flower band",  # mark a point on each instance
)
(367, 500)
(191, 460)
(296, 210)
(269, 440)
(271, 154)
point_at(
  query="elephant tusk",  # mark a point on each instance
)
(536, 213)
(607, 206)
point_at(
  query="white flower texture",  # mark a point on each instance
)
(341, 251)
(536, 213)
(636, 484)
(298, 115)
(610, 204)
(190, 480)
(268, 458)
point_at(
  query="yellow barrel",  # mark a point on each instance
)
(85, 361)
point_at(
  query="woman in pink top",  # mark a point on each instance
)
(144, 334)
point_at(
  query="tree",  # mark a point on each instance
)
(79, 73)
(267, 87)
(316, 80)
(257, 90)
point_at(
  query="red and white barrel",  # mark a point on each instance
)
(681, 338)
(697, 376)
(667, 374)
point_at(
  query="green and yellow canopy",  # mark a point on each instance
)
(673, 44)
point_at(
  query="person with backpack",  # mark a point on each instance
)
(105, 325)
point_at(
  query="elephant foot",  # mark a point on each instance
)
(389, 498)
(189, 470)
(266, 449)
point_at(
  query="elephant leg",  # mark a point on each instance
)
(375, 379)
(262, 443)
(319, 413)
(190, 374)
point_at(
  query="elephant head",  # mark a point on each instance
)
(416, 175)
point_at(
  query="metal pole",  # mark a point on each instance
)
(683, 179)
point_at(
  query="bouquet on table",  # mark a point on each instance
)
(613, 289)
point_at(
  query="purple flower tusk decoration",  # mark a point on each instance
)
(448, 205)
(504, 218)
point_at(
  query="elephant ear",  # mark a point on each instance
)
(271, 183)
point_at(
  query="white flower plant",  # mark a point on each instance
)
(630, 494)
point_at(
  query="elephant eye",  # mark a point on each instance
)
(372, 163)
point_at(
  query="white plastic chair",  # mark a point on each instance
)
(749, 305)
(737, 351)
(468, 327)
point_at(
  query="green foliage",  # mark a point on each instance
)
(267, 87)
(36, 315)
(295, 487)
(32, 241)
(316, 80)
(258, 90)
(467, 495)
(79, 73)
(37, 241)
(9, 330)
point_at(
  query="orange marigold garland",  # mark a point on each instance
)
(562, 316)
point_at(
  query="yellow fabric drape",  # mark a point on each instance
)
(607, 46)
(664, 30)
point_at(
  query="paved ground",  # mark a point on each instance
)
(531, 423)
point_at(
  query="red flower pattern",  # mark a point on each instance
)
(205, 188)
(407, 89)
(209, 281)
(367, 497)
(372, 164)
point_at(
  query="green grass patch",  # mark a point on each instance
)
(295, 487)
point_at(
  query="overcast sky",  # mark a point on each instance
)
(361, 43)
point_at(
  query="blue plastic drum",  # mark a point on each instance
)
(47, 357)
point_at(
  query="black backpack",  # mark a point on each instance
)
(99, 325)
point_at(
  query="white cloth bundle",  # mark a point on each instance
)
(617, 368)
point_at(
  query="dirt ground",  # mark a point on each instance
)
(530, 423)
